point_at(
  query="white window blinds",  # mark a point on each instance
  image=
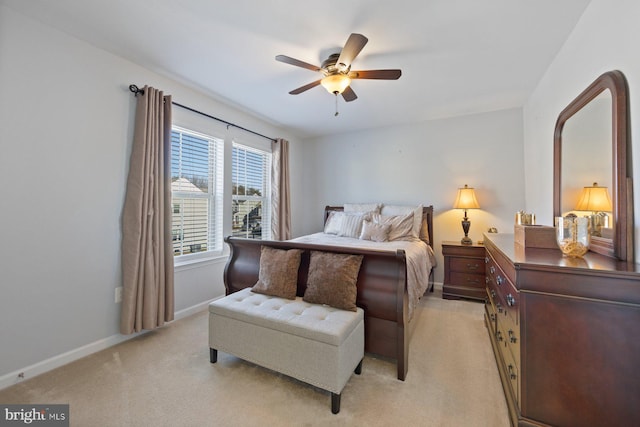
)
(251, 192)
(196, 192)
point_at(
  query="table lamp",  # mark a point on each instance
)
(466, 199)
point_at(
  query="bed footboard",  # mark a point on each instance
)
(382, 290)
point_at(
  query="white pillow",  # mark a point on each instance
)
(401, 225)
(334, 222)
(393, 210)
(362, 207)
(375, 232)
(352, 224)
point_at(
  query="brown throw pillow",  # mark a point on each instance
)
(332, 280)
(278, 274)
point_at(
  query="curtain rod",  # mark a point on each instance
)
(136, 91)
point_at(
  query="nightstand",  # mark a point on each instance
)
(463, 271)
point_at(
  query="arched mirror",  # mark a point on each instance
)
(592, 165)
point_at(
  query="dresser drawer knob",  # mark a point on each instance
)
(472, 267)
(511, 301)
(499, 280)
(486, 260)
(492, 269)
(512, 337)
(486, 280)
(499, 336)
(493, 293)
(512, 374)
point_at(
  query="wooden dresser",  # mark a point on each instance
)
(565, 335)
(463, 271)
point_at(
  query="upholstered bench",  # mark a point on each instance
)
(314, 343)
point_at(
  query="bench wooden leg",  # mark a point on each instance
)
(213, 355)
(335, 402)
(358, 370)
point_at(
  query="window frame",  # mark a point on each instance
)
(214, 196)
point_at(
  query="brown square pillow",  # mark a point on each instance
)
(278, 274)
(332, 279)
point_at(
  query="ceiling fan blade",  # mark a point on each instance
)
(376, 74)
(297, 62)
(305, 88)
(349, 95)
(351, 49)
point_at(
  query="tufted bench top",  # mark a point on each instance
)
(297, 317)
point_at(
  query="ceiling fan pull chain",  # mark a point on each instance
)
(336, 115)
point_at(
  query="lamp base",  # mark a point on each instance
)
(466, 240)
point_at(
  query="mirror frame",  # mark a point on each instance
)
(621, 246)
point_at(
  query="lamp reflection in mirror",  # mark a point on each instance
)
(596, 199)
(466, 199)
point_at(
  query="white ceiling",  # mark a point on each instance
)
(457, 56)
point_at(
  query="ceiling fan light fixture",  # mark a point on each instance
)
(336, 83)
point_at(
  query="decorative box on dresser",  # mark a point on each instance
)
(565, 335)
(463, 271)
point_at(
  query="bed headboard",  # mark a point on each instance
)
(427, 219)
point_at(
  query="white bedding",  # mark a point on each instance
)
(420, 258)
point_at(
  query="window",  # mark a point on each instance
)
(196, 192)
(251, 197)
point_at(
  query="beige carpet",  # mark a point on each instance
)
(164, 378)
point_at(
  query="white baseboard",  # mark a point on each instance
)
(62, 359)
(31, 371)
(193, 309)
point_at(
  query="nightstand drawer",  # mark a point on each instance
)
(467, 265)
(466, 279)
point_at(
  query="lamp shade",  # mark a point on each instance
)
(336, 83)
(595, 199)
(466, 199)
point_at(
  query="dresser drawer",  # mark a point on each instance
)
(511, 303)
(490, 317)
(512, 372)
(505, 296)
(511, 338)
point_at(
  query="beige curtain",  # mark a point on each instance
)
(280, 191)
(147, 256)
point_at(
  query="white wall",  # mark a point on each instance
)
(605, 38)
(425, 163)
(66, 124)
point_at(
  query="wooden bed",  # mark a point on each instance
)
(382, 287)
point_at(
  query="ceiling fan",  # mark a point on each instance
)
(337, 70)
